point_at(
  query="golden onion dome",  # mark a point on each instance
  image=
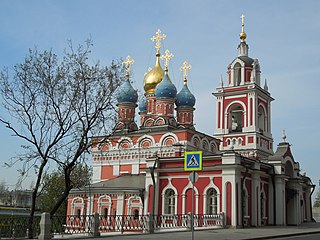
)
(154, 76)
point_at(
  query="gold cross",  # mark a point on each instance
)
(129, 61)
(166, 57)
(158, 39)
(185, 67)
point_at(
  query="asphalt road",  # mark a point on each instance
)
(303, 237)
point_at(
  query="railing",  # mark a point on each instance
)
(61, 225)
(163, 222)
(95, 225)
(17, 226)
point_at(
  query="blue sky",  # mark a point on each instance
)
(283, 35)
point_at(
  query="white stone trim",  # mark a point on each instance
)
(211, 185)
(170, 186)
(196, 204)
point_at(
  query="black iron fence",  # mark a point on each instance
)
(17, 226)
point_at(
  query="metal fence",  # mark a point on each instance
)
(17, 226)
(95, 225)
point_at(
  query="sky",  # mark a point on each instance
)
(283, 35)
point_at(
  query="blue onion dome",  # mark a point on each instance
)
(185, 97)
(166, 89)
(143, 104)
(127, 94)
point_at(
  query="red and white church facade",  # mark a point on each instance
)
(140, 169)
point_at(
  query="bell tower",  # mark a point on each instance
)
(243, 117)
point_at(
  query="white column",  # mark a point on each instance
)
(255, 186)
(280, 201)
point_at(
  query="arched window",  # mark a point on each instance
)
(169, 202)
(235, 118)
(78, 213)
(212, 201)
(237, 74)
(261, 119)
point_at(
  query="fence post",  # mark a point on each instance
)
(189, 221)
(45, 227)
(223, 219)
(95, 225)
(150, 223)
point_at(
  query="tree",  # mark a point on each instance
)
(51, 187)
(316, 203)
(57, 106)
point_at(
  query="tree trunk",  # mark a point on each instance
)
(34, 198)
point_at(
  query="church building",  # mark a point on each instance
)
(139, 168)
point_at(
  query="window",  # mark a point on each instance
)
(236, 118)
(169, 202)
(105, 212)
(261, 119)
(78, 213)
(136, 214)
(237, 74)
(212, 201)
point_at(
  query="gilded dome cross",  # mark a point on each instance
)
(128, 62)
(158, 39)
(166, 57)
(243, 35)
(185, 67)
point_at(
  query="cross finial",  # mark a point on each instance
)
(284, 137)
(243, 35)
(158, 39)
(166, 57)
(128, 62)
(185, 67)
(242, 18)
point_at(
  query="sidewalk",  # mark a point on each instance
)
(224, 234)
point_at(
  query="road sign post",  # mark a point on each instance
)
(193, 162)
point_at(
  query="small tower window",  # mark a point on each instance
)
(235, 120)
(261, 119)
(237, 74)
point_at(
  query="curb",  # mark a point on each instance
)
(283, 235)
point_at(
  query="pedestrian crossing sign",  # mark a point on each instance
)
(193, 161)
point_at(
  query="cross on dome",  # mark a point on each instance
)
(158, 39)
(243, 35)
(128, 62)
(166, 57)
(185, 67)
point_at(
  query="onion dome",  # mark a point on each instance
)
(154, 76)
(166, 89)
(185, 97)
(143, 104)
(126, 93)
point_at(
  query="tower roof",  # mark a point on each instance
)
(166, 89)
(185, 97)
(155, 76)
(127, 94)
